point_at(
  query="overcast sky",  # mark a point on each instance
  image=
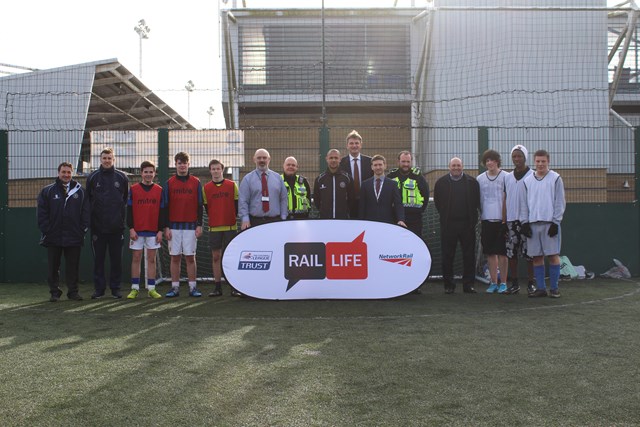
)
(182, 45)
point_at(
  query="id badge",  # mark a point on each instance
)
(265, 198)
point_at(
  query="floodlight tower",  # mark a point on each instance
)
(189, 87)
(143, 31)
(210, 111)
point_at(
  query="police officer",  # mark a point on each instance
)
(414, 190)
(298, 190)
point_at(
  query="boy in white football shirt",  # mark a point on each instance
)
(494, 220)
(516, 241)
(542, 206)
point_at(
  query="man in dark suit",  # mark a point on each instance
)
(357, 166)
(457, 199)
(380, 198)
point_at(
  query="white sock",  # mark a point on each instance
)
(192, 285)
(175, 285)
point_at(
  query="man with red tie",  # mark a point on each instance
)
(357, 166)
(263, 195)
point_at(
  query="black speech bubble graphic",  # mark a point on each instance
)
(304, 261)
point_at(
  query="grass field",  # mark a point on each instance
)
(430, 359)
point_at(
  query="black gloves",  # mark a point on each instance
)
(525, 229)
(553, 230)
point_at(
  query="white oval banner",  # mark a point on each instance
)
(326, 259)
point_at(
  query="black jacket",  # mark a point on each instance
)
(442, 198)
(63, 221)
(108, 190)
(333, 194)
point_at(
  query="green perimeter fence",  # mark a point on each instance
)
(599, 167)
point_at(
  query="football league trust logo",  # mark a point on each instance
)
(331, 260)
(255, 260)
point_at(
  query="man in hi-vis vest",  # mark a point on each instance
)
(414, 190)
(298, 190)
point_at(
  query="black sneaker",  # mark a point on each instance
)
(54, 297)
(235, 293)
(531, 288)
(554, 293)
(216, 293)
(116, 294)
(75, 297)
(513, 289)
(97, 295)
(538, 293)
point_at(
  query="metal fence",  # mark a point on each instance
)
(597, 164)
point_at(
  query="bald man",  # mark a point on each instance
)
(457, 199)
(263, 196)
(298, 190)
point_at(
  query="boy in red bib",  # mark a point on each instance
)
(182, 197)
(145, 227)
(221, 201)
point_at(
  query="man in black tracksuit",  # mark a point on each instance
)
(108, 190)
(457, 199)
(333, 190)
(63, 219)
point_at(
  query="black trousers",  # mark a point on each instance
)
(71, 268)
(258, 220)
(451, 234)
(101, 243)
(415, 226)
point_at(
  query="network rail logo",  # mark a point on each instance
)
(402, 259)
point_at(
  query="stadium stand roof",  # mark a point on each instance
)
(118, 99)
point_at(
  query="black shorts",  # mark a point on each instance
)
(493, 238)
(220, 239)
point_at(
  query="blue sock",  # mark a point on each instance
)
(151, 282)
(554, 276)
(135, 280)
(538, 273)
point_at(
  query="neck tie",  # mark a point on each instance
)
(66, 190)
(356, 176)
(265, 193)
(377, 186)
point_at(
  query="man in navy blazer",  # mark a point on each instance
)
(356, 162)
(380, 198)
